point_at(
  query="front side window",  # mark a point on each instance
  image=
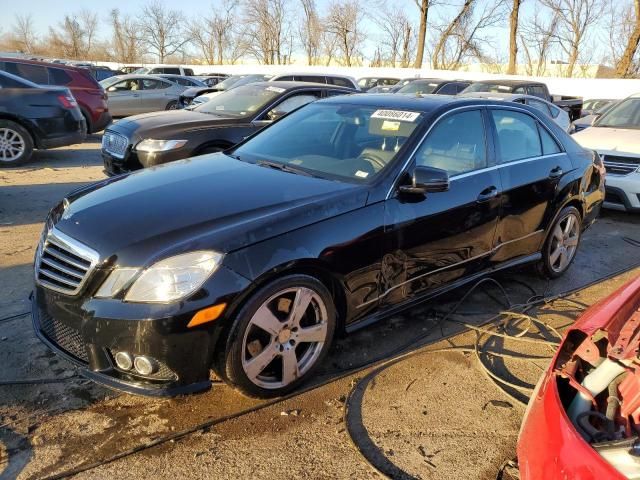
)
(340, 82)
(419, 88)
(35, 73)
(241, 101)
(456, 144)
(538, 91)
(447, 89)
(124, 86)
(291, 103)
(310, 78)
(517, 135)
(353, 143)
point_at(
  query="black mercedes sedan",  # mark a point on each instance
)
(343, 212)
(154, 138)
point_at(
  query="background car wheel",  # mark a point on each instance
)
(16, 144)
(280, 336)
(562, 244)
(172, 105)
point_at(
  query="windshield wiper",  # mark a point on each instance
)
(284, 168)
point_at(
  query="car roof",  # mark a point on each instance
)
(141, 76)
(290, 85)
(502, 96)
(63, 66)
(509, 82)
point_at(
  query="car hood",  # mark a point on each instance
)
(169, 123)
(207, 202)
(604, 139)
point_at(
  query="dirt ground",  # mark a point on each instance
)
(433, 414)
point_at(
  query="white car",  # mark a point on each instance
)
(556, 113)
(615, 135)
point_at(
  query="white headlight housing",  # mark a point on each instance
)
(174, 278)
(115, 282)
(150, 145)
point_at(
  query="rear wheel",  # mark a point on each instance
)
(280, 337)
(16, 144)
(562, 244)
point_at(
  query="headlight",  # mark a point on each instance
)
(174, 278)
(115, 281)
(150, 145)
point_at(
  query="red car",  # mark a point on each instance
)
(89, 94)
(583, 419)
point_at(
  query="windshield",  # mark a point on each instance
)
(488, 87)
(142, 71)
(625, 114)
(240, 101)
(419, 87)
(336, 141)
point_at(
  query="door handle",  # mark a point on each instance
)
(136, 95)
(555, 172)
(487, 194)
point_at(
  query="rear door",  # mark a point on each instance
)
(441, 237)
(154, 95)
(531, 164)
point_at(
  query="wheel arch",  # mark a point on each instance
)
(24, 124)
(219, 143)
(312, 267)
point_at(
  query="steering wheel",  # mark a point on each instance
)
(374, 160)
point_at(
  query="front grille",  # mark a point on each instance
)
(63, 264)
(115, 144)
(63, 336)
(619, 165)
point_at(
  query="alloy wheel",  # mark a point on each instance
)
(564, 242)
(12, 145)
(284, 337)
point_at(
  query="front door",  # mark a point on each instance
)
(531, 167)
(435, 239)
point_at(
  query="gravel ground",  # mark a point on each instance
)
(431, 415)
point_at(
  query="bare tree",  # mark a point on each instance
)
(461, 38)
(513, 36)
(624, 25)
(162, 30)
(267, 28)
(344, 23)
(576, 17)
(126, 42)
(311, 31)
(538, 39)
(397, 34)
(23, 34)
(215, 35)
(89, 24)
(68, 40)
(423, 6)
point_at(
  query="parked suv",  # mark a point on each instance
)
(338, 80)
(32, 116)
(160, 69)
(90, 96)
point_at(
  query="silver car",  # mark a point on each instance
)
(134, 94)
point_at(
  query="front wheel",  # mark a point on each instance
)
(280, 336)
(16, 144)
(562, 244)
(173, 105)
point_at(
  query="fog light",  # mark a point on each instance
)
(145, 365)
(124, 361)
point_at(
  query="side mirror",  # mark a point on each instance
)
(274, 114)
(427, 180)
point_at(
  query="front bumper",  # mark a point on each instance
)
(623, 192)
(88, 332)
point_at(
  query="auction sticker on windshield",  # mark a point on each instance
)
(275, 89)
(396, 115)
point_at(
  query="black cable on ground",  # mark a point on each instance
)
(345, 373)
(11, 317)
(36, 381)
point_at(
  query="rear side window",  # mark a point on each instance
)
(549, 144)
(538, 91)
(456, 144)
(537, 104)
(310, 78)
(152, 84)
(58, 76)
(460, 87)
(341, 82)
(286, 78)
(188, 72)
(172, 71)
(35, 73)
(518, 136)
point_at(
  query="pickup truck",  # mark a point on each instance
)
(572, 105)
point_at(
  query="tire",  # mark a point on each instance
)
(562, 244)
(276, 344)
(173, 105)
(16, 144)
